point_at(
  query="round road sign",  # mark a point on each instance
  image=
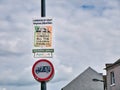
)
(43, 70)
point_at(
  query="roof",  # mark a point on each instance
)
(117, 62)
(113, 64)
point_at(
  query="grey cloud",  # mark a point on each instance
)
(18, 83)
(17, 77)
(5, 53)
(12, 48)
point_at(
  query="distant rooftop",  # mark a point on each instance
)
(84, 81)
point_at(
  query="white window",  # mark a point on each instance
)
(112, 78)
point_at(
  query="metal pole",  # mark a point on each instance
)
(43, 14)
(43, 86)
(43, 10)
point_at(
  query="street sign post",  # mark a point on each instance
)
(43, 70)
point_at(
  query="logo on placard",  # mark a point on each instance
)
(43, 53)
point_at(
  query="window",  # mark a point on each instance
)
(112, 78)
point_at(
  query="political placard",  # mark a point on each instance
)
(43, 33)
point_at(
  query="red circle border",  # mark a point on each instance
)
(43, 79)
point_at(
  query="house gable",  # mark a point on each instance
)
(85, 81)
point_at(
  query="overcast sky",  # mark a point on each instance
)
(87, 33)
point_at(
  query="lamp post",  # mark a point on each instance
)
(97, 80)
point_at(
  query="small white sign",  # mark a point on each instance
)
(43, 55)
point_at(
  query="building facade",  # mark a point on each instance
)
(85, 81)
(113, 75)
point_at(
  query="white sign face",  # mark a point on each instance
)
(43, 70)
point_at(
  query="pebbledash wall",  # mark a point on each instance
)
(113, 75)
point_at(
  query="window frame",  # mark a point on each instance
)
(112, 78)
